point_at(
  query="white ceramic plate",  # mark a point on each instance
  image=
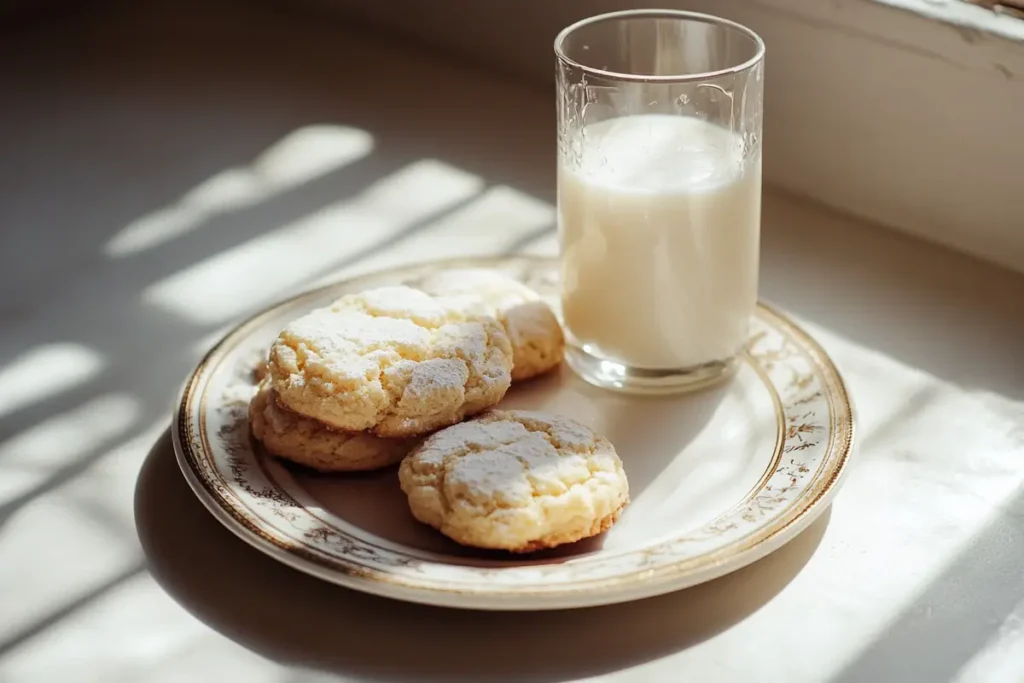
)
(718, 479)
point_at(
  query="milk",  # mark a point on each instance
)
(659, 230)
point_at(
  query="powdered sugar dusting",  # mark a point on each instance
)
(399, 302)
(532, 326)
(394, 360)
(543, 449)
(515, 480)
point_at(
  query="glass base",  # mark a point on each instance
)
(629, 380)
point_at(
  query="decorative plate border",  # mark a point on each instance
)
(815, 443)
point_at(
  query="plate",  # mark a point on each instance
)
(718, 478)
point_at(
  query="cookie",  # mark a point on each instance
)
(293, 437)
(538, 344)
(515, 480)
(394, 361)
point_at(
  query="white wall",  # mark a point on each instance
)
(881, 112)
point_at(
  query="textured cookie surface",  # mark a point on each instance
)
(308, 442)
(393, 360)
(538, 344)
(515, 480)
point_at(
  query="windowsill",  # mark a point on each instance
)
(963, 15)
(896, 111)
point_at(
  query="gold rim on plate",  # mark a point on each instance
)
(356, 562)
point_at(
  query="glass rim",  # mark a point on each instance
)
(667, 14)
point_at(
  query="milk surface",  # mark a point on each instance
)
(659, 231)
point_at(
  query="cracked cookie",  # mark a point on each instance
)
(394, 361)
(515, 480)
(305, 441)
(538, 343)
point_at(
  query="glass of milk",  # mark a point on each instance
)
(659, 196)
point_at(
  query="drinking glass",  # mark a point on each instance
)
(659, 196)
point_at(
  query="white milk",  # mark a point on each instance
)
(660, 240)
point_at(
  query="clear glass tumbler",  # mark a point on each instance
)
(659, 196)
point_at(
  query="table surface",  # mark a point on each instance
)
(156, 187)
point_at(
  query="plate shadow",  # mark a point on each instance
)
(296, 619)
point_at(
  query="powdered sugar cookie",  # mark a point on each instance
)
(515, 480)
(538, 344)
(300, 439)
(394, 360)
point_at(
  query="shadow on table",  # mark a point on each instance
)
(296, 619)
